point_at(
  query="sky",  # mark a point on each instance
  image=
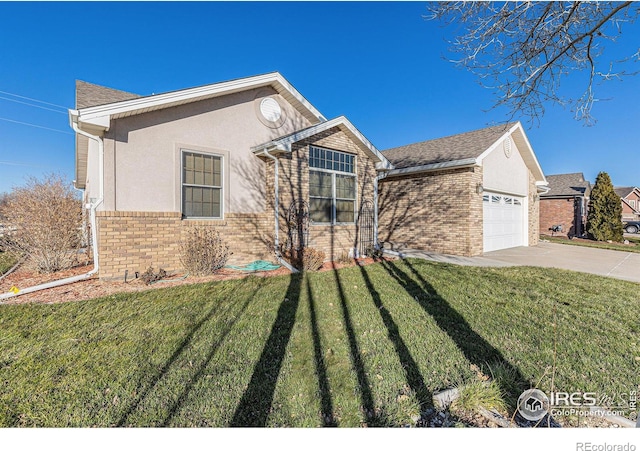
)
(380, 64)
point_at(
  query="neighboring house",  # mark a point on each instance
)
(464, 194)
(250, 157)
(630, 197)
(565, 205)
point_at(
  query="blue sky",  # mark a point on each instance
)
(379, 64)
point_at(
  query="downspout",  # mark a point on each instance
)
(92, 215)
(376, 207)
(276, 239)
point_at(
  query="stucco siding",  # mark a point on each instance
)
(142, 158)
(505, 174)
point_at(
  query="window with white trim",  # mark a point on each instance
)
(332, 186)
(201, 185)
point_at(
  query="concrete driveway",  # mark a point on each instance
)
(603, 262)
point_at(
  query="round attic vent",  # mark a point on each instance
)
(270, 109)
(507, 147)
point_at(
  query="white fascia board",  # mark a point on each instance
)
(100, 114)
(466, 163)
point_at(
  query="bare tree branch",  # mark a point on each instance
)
(522, 50)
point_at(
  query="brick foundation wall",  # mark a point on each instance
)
(554, 212)
(134, 241)
(439, 212)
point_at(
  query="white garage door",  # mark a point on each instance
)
(503, 224)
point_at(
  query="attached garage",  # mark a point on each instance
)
(503, 224)
(464, 194)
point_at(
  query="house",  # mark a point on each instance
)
(464, 195)
(630, 197)
(250, 157)
(563, 209)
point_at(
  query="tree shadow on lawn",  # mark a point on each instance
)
(255, 404)
(411, 369)
(326, 404)
(475, 348)
(184, 344)
(373, 417)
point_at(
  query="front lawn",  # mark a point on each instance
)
(359, 346)
(633, 246)
(7, 260)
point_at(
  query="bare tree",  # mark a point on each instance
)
(522, 50)
(4, 201)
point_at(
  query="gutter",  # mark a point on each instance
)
(276, 243)
(468, 162)
(73, 120)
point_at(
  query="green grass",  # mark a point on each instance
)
(598, 244)
(7, 260)
(358, 346)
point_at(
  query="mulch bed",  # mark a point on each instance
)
(25, 277)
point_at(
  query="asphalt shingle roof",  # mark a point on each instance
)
(567, 185)
(451, 148)
(88, 95)
(623, 191)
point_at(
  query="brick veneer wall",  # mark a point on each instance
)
(627, 212)
(136, 240)
(437, 211)
(554, 212)
(336, 240)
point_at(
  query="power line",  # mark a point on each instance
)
(34, 125)
(33, 100)
(35, 106)
(14, 163)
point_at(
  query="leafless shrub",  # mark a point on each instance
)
(203, 251)
(149, 276)
(43, 220)
(310, 259)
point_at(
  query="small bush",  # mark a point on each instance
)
(149, 276)
(202, 251)
(344, 258)
(311, 259)
(478, 394)
(44, 222)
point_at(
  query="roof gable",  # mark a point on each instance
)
(284, 143)
(101, 115)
